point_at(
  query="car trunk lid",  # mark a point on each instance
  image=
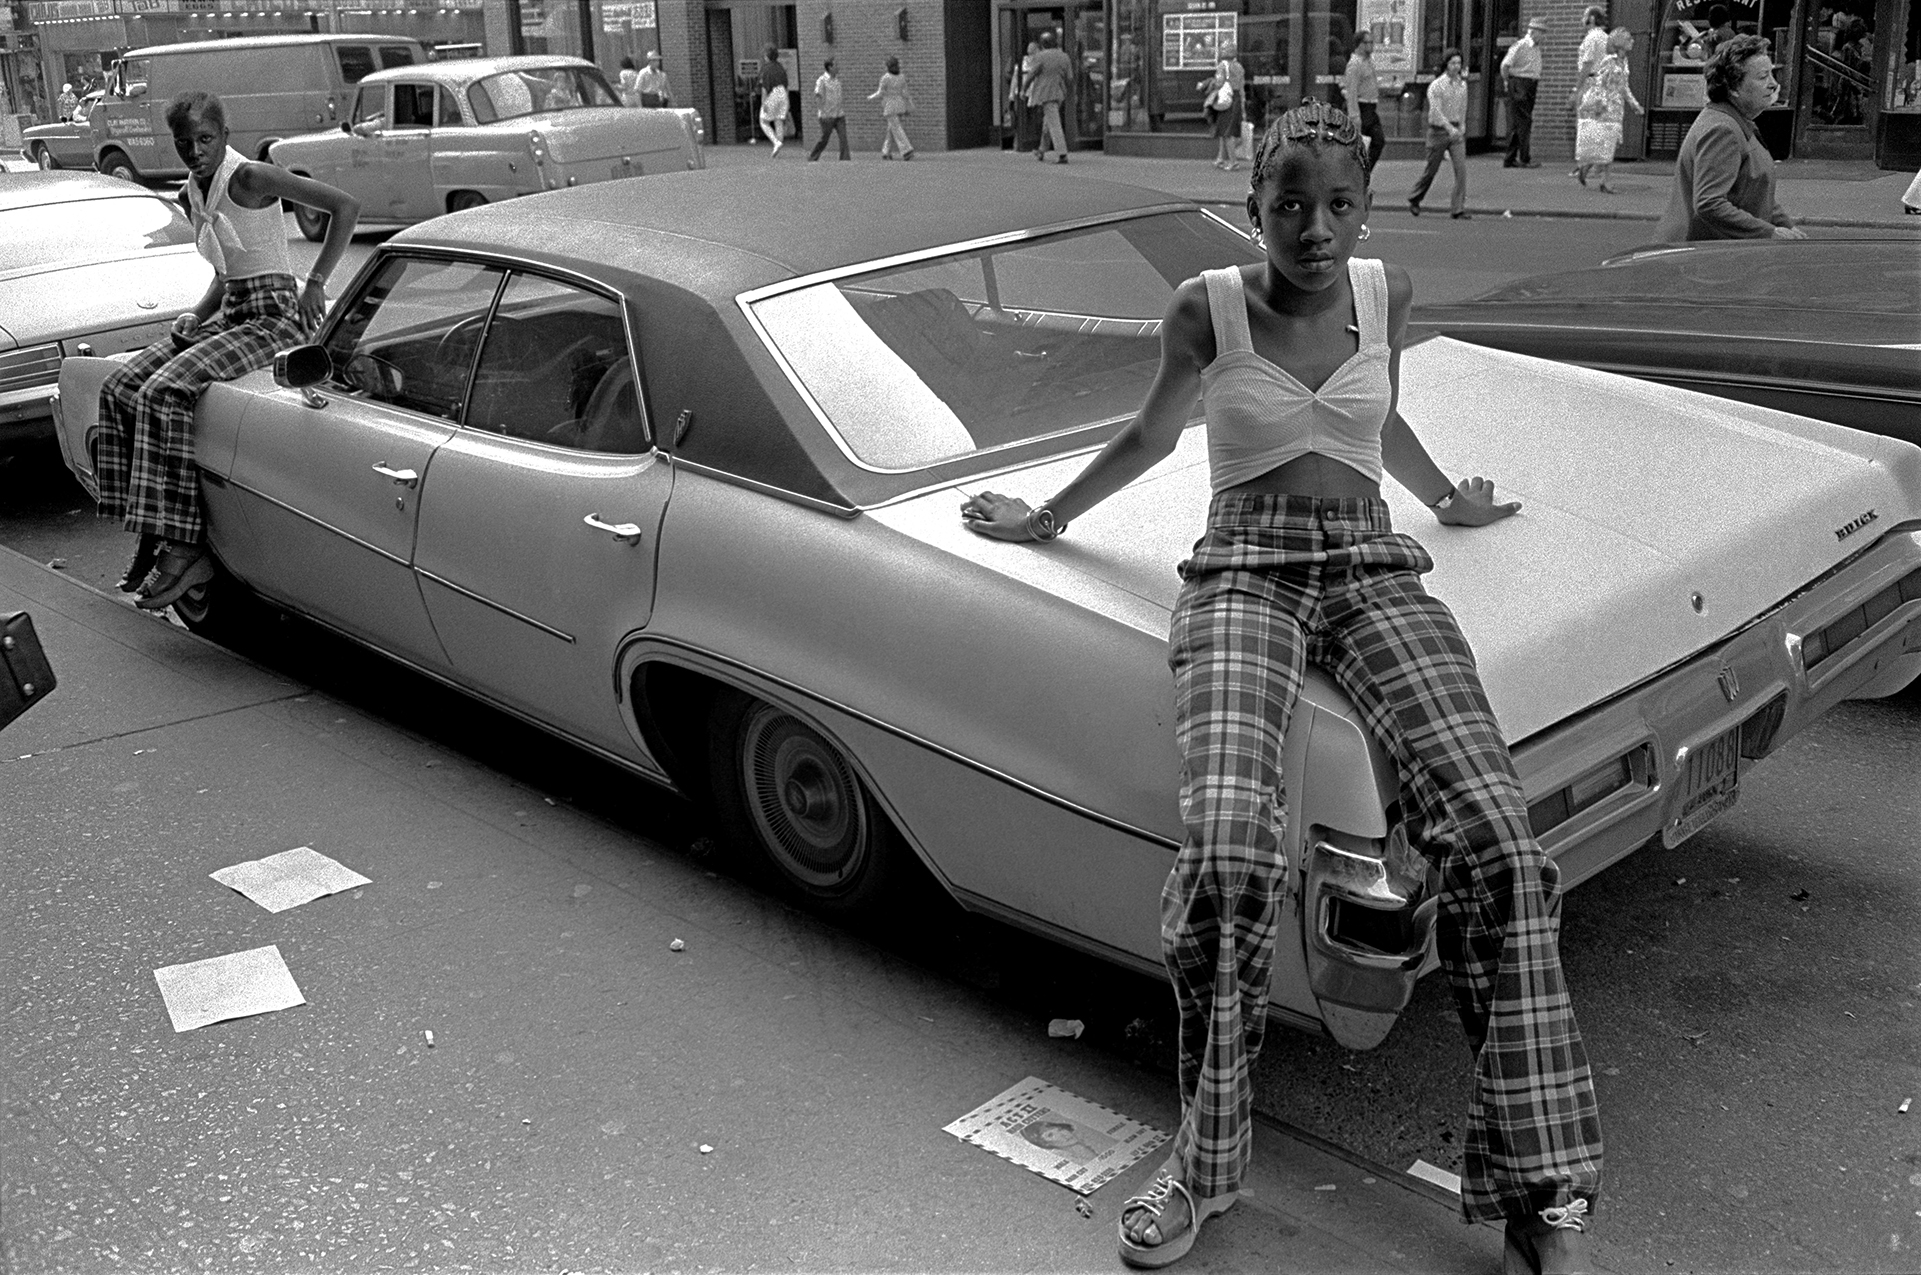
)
(590, 143)
(1656, 522)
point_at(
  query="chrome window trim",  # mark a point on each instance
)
(765, 489)
(746, 301)
(318, 522)
(363, 281)
(464, 592)
(510, 263)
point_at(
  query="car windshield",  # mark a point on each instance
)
(89, 230)
(986, 349)
(533, 90)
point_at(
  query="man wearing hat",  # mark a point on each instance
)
(1520, 77)
(652, 83)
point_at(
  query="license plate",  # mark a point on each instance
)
(1710, 781)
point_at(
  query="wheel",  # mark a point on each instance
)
(222, 610)
(312, 222)
(786, 790)
(461, 201)
(114, 164)
(43, 156)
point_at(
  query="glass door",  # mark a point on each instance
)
(1089, 102)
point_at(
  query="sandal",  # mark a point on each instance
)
(1552, 1242)
(181, 567)
(1153, 1201)
(143, 559)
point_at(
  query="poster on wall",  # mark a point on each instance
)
(1395, 25)
(1684, 90)
(1193, 41)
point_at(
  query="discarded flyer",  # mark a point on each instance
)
(237, 985)
(290, 878)
(1436, 1174)
(1064, 1138)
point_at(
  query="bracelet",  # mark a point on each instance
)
(1438, 501)
(1041, 524)
(318, 278)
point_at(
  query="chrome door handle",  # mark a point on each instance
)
(628, 533)
(405, 477)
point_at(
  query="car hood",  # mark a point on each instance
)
(1655, 522)
(46, 302)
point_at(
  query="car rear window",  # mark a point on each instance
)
(534, 90)
(924, 363)
(89, 230)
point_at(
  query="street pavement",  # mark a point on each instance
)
(1826, 193)
(577, 1066)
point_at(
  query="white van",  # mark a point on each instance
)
(273, 86)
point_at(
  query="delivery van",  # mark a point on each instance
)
(273, 86)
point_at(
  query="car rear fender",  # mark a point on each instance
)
(76, 409)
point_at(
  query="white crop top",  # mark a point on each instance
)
(1259, 416)
(241, 243)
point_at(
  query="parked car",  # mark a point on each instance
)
(427, 140)
(272, 86)
(679, 479)
(1825, 328)
(89, 265)
(65, 143)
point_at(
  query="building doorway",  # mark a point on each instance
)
(737, 35)
(1081, 30)
(1834, 97)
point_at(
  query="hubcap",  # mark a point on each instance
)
(804, 800)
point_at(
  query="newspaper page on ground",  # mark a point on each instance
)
(1064, 1138)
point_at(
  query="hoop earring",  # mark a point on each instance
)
(1259, 242)
(1365, 232)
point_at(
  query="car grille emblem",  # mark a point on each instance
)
(1730, 683)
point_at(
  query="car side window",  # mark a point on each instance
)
(408, 338)
(393, 55)
(356, 62)
(413, 106)
(370, 108)
(555, 369)
(447, 114)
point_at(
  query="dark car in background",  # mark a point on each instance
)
(1822, 328)
(67, 143)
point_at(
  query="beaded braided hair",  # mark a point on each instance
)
(1313, 125)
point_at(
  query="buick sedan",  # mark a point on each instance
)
(679, 479)
(438, 138)
(87, 265)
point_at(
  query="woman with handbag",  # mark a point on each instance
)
(1597, 124)
(1223, 109)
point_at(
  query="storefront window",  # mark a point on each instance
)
(1691, 30)
(1840, 60)
(1904, 62)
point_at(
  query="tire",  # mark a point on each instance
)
(43, 157)
(115, 164)
(312, 222)
(223, 610)
(461, 201)
(787, 791)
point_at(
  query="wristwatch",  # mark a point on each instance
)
(1446, 500)
(1042, 526)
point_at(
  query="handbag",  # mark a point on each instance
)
(1222, 99)
(25, 676)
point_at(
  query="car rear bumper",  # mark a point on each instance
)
(1667, 757)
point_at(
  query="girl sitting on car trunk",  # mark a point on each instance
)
(143, 446)
(1298, 361)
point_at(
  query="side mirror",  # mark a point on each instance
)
(346, 128)
(137, 89)
(302, 368)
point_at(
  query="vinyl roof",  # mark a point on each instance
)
(466, 70)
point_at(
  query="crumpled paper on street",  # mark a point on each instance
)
(1059, 1135)
(290, 878)
(237, 985)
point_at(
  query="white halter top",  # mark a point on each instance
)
(242, 243)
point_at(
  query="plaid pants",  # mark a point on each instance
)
(143, 447)
(1278, 582)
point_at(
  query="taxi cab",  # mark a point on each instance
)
(444, 136)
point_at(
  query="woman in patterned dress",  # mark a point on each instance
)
(1597, 129)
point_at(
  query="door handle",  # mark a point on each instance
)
(405, 477)
(628, 533)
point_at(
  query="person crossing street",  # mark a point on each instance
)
(828, 108)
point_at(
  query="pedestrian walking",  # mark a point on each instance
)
(1594, 47)
(143, 444)
(652, 82)
(67, 103)
(1446, 136)
(1597, 128)
(1521, 81)
(1026, 125)
(896, 104)
(1046, 91)
(827, 107)
(1723, 175)
(1222, 95)
(773, 99)
(629, 84)
(1363, 92)
(1299, 564)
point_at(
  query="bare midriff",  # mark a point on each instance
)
(1310, 475)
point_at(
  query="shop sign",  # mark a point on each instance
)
(615, 15)
(533, 18)
(643, 13)
(1390, 22)
(1193, 41)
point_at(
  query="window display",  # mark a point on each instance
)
(1903, 94)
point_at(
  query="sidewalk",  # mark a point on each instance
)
(1816, 192)
(575, 1066)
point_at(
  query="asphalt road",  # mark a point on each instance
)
(1750, 998)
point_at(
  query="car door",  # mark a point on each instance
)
(364, 176)
(405, 153)
(334, 486)
(539, 524)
